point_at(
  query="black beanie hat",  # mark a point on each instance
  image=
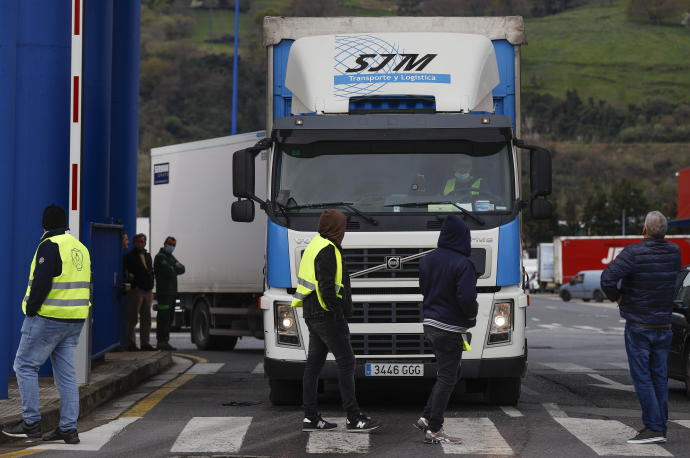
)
(54, 218)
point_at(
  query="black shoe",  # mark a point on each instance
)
(147, 347)
(647, 436)
(316, 423)
(361, 424)
(70, 437)
(165, 346)
(32, 431)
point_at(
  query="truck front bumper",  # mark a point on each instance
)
(469, 369)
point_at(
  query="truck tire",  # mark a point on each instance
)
(598, 296)
(503, 391)
(201, 325)
(285, 392)
(565, 295)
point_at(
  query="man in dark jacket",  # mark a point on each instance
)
(166, 268)
(642, 281)
(327, 301)
(139, 267)
(448, 281)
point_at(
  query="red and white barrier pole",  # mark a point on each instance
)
(75, 118)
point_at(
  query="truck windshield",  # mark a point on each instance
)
(390, 176)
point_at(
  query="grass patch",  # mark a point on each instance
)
(598, 51)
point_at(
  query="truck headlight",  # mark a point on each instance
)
(286, 325)
(501, 326)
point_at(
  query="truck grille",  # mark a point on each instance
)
(390, 344)
(386, 312)
(365, 258)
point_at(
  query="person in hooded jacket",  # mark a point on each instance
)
(324, 293)
(448, 281)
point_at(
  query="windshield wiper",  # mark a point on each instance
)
(349, 205)
(478, 219)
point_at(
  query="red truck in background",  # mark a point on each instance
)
(574, 254)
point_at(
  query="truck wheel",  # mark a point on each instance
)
(503, 391)
(285, 392)
(201, 325)
(598, 296)
(565, 295)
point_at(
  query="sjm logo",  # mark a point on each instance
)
(408, 62)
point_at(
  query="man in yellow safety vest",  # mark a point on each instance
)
(56, 304)
(323, 289)
(463, 182)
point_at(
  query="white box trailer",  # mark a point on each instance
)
(191, 192)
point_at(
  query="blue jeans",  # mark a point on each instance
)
(647, 350)
(43, 338)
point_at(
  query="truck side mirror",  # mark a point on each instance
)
(242, 211)
(541, 208)
(540, 172)
(243, 174)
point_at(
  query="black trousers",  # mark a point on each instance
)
(164, 317)
(329, 334)
(447, 348)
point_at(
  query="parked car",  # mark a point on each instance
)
(585, 285)
(679, 355)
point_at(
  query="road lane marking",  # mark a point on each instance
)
(527, 390)
(259, 369)
(141, 408)
(536, 319)
(194, 357)
(18, 453)
(684, 423)
(608, 437)
(569, 367)
(205, 368)
(479, 435)
(336, 441)
(611, 384)
(511, 411)
(621, 365)
(554, 410)
(589, 328)
(212, 435)
(92, 440)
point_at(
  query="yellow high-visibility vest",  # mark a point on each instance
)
(306, 279)
(70, 295)
(450, 186)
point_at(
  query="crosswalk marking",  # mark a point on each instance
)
(511, 411)
(620, 365)
(205, 368)
(612, 384)
(479, 435)
(336, 441)
(607, 437)
(212, 435)
(568, 367)
(92, 440)
(684, 423)
(259, 369)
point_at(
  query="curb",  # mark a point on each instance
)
(94, 394)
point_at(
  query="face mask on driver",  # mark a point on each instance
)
(169, 249)
(462, 175)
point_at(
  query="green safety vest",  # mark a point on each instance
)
(70, 295)
(306, 279)
(450, 186)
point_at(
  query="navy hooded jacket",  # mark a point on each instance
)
(448, 280)
(647, 271)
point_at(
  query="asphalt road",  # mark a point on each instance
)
(577, 401)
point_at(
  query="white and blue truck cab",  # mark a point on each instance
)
(397, 122)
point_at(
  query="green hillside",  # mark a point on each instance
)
(598, 51)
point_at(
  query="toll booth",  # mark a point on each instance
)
(69, 72)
